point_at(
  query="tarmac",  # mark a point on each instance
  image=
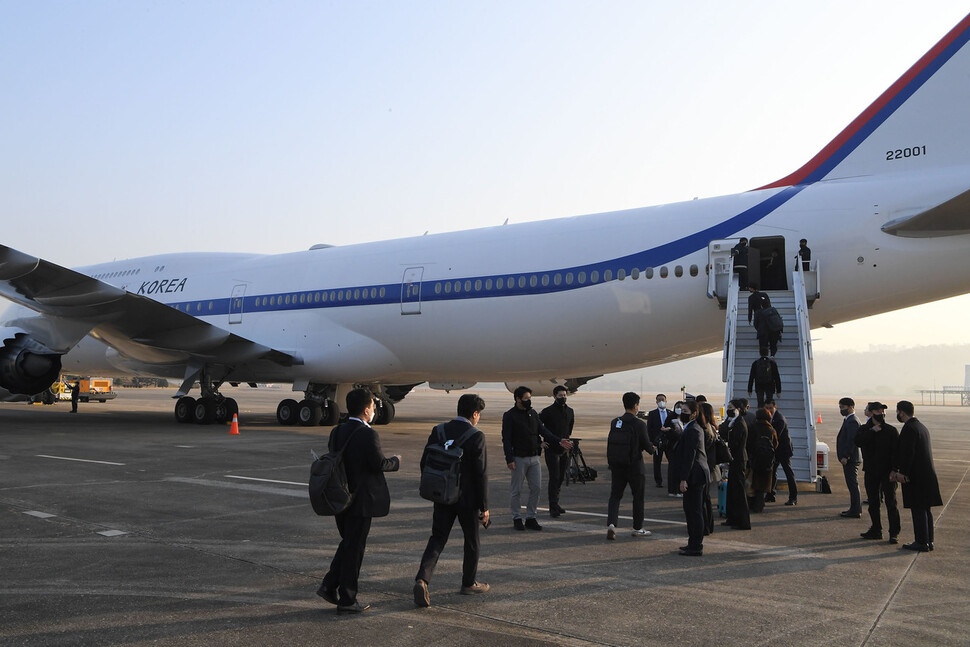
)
(120, 527)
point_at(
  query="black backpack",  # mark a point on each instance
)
(622, 444)
(441, 476)
(763, 456)
(329, 492)
(773, 321)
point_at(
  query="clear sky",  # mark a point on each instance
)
(134, 128)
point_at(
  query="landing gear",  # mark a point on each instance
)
(286, 412)
(211, 407)
(204, 412)
(331, 414)
(385, 411)
(309, 413)
(184, 408)
(225, 410)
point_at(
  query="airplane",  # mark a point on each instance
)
(885, 206)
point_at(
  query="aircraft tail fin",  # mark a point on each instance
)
(922, 121)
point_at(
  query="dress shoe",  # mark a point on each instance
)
(554, 513)
(518, 524)
(791, 502)
(475, 589)
(356, 607)
(421, 596)
(923, 548)
(893, 539)
(660, 484)
(691, 553)
(532, 524)
(684, 548)
(871, 534)
(330, 595)
(770, 498)
(611, 532)
(930, 545)
(848, 514)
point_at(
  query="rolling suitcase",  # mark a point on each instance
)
(722, 497)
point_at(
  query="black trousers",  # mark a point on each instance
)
(877, 484)
(556, 465)
(345, 567)
(922, 525)
(785, 464)
(658, 475)
(708, 510)
(737, 498)
(694, 513)
(624, 475)
(442, 521)
(764, 393)
(672, 488)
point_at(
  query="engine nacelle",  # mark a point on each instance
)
(26, 366)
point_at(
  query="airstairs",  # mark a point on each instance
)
(794, 356)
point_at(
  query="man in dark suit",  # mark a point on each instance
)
(625, 444)
(692, 472)
(757, 301)
(365, 465)
(765, 379)
(783, 455)
(657, 428)
(740, 255)
(878, 441)
(471, 508)
(558, 418)
(914, 469)
(849, 456)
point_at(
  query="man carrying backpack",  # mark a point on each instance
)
(625, 445)
(765, 379)
(471, 508)
(769, 325)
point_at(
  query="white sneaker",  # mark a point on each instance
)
(671, 495)
(640, 533)
(611, 532)
(679, 496)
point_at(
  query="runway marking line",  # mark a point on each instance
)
(39, 514)
(253, 478)
(79, 460)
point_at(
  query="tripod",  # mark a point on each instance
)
(576, 467)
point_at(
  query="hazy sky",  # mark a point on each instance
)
(134, 128)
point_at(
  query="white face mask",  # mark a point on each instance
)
(677, 410)
(662, 405)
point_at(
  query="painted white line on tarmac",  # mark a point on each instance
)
(112, 533)
(600, 514)
(79, 460)
(264, 489)
(39, 515)
(253, 478)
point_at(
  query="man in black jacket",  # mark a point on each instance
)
(765, 379)
(625, 445)
(365, 465)
(523, 436)
(558, 418)
(658, 424)
(783, 454)
(878, 440)
(913, 467)
(740, 255)
(471, 508)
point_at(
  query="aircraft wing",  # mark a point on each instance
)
(74, 305)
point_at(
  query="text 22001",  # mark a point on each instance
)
(903, 153)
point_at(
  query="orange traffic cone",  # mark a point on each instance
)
(234, 429)
(819, 418)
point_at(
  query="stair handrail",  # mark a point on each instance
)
(730, 335)
(806, 358)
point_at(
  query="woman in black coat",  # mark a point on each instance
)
(692, 474)
(738, 515)
(761, 477)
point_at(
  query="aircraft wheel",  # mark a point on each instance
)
(225, 410)
(309, 413)
(385, 413)
(184, 408)
(204, 412)
(331, 415)
(286, 412)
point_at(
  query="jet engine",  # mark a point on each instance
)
(26, 365)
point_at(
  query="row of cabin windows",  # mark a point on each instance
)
(112, 275)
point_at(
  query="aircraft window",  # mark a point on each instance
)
(488, 284)
(211, 306)
(621, 274)
(437, 287)
(533, 281)
(635, 273)
(198, 307)
(678, 271)
(323, 297)
(648, 272)
(581, 278)
(510, 282)
(448, 287)
(557, 279)
(569, 278)
(608, 275)
(478, 284)
(287, 299)
(663, 272)
(333, 295)
(594, 276)
(457, 287)
(545, 280)
(382, 292)
(499, 283)
(272, 301)
(468, 286)
(693, 270)
(302, 297)
(373, 293)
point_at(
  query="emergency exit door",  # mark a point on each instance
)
(236, 304)
(411, 291)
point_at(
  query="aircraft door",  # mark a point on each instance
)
(236, 304)
(767, 269)
(411, 291)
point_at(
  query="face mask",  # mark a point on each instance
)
(731, 413)
(561, 401)
(843, 412)
(661, 405)
(685, 416)
(899, 418)
(879, 418)
(526, 404)
(677, 410)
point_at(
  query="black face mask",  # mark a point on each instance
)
(561, 401)
(843, 412)
(685, 417)
(731, 413)
(879, 419)
(526, 404)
